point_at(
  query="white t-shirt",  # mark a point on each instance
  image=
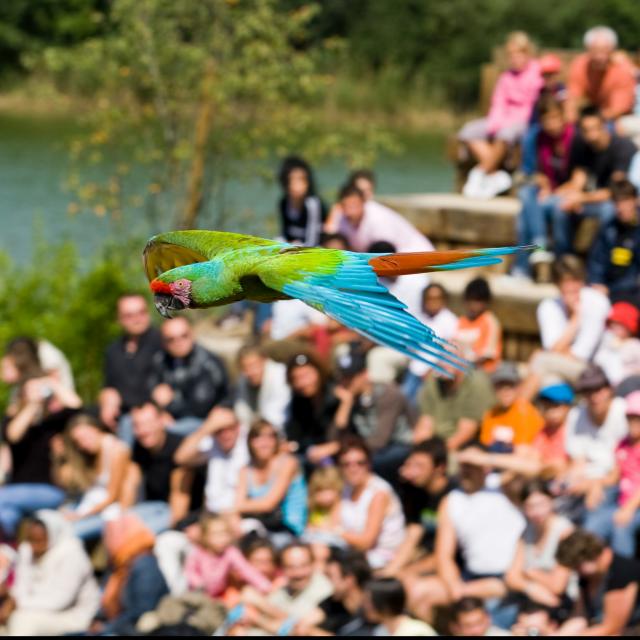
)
(381, 223)
(488, 527)
(445, 325)
(596, 445)
(290, 316)
(619, 359)
(53, 360)
(223, 471)
(553, 320)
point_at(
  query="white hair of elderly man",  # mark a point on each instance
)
(601, 33)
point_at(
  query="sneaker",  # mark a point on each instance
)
(539, 256)
(474, 186)
(496, 183)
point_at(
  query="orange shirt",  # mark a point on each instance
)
(611, 90)
(517, 425)
(481, 339)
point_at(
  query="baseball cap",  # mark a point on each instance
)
(633, 404)
(592, 379)
(550, 63)
(351, 362)
(506, 373)
(560, 393)
(626, 314)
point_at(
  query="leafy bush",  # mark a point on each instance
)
(59, 297)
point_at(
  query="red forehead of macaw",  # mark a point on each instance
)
(157, 286)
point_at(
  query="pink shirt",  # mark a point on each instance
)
(628, 459)
(206, 571)
(381, 223)
(514, 96)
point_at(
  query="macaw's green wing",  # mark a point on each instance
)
(180, 248)
(344, 286)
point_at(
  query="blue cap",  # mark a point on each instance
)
(560, 393)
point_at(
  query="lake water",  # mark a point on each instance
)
(34, 165)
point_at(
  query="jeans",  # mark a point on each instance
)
(20, 500)
(600, 522)
(411, 386)
(155, 514)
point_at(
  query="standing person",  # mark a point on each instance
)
(479, 333)
(41, 410)
(54, 592)
(610, 584)
(369, 517)
(488, 139)
(600, 77)
(128, 363)
(262, 390)
(156, 488)
(221, 444)
(302, 212)
(362, 225)
(187, 380)
(92, 464)
(271, 489)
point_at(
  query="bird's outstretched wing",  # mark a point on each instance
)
(180, 248)
(344, 286)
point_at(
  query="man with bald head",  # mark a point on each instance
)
(187, 380)
(601, 77)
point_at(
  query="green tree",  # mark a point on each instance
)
(188, 94)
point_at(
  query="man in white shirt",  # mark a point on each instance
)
(594, 430)
(221, 443)
(571, 328)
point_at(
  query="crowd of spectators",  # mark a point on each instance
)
(319, 484)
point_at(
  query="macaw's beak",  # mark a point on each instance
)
(165, 303)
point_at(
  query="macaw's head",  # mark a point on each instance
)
(174, 289)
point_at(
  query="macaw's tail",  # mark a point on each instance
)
(402, 264)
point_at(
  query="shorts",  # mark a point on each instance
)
(477, 130)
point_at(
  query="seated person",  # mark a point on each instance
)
(324, 492)
(212, 561)
(452, 408)
(545, 162)
(601, 77)
(534, 570)
(364, 222)
(434, 312)
(513, 421)
(304, 590)
(90, 464)
(540, 620)
(55, 592)
(614, 259)
(262, 390)
(220, 444)
(610, 584)
(479, 333)
(424, 484)
(342, 613)
(385, 604)
(128, 363)
(39, 410)
(594, 429)
(571, 328)
(619, 352)
(156, 488)
(136, 584)
(484, 527)
(596, 159)
(377, 412)
(187, 380)
(369, 516)
(302, 212)
(470, 619)
(489, 139)
(271, 490)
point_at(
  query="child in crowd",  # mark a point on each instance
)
(479, 333)
(619, 352)
(210, 564)
(325, 488)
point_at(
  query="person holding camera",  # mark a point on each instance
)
(41, 409)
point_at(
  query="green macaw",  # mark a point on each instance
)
(197, 269)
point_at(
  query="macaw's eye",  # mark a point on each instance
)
(182, 284)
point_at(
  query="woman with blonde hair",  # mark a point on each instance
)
(91, 464)
(488, 139)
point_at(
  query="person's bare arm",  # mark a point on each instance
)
(131, 485)
(189, 453)
(424, 429)
(576, 183)
(406, 551)
(285, 474)
(516, 462)
(25, 418)
(110, 403)
(445, 551)
(180, 496)
(617, 610)
(377, 510)
(466, 430)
